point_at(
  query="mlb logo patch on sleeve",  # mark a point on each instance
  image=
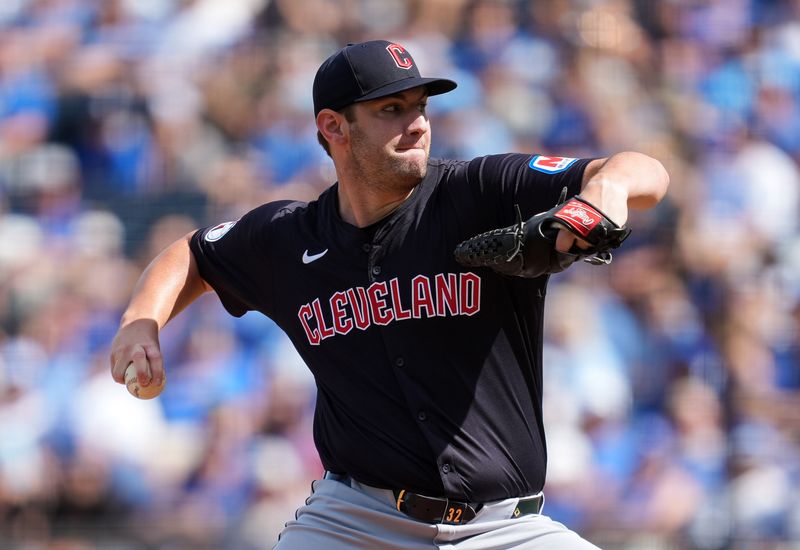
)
(550, 165)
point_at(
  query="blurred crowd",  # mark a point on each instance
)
(672, 398)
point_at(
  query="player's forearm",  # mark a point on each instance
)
(622, 181)
(169, 284)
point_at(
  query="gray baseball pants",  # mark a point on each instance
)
(345, 515)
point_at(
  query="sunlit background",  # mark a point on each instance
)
(672, 376)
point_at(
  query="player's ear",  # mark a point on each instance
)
(331, 125)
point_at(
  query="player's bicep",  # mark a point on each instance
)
(232, 261)
(534, 183)
(546, 179)
(487, 191)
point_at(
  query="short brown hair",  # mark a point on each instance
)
(349, 113)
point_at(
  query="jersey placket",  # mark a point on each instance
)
(379, 267)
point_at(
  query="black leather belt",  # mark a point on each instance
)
(455, 512)
(444, 510)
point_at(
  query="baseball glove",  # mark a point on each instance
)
(527, 249)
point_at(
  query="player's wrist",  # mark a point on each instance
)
(608, 195)
(133, 319)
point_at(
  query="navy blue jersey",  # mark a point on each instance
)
(429, 374)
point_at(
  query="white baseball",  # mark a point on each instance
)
(142, 392)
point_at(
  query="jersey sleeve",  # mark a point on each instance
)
(533, 182)
(234, 258)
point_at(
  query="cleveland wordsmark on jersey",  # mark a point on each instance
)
(446, 294)
(388, 321)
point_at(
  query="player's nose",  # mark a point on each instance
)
(418, 125)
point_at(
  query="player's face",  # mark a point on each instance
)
(390, 138)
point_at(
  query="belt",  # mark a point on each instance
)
(455, 512)
(447, 511)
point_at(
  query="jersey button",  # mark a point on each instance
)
(399, 362)
(376, 270)
(422, 416)
(366, 247)
(446, 468)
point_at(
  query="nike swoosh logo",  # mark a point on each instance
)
(308, 259)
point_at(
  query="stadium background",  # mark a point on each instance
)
(672, 399)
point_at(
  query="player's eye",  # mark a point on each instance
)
(397, 108)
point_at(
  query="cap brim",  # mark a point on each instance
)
(435, 86)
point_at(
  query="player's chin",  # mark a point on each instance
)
(412, 162)
(411, 173)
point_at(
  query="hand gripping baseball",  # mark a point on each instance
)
(527, 249)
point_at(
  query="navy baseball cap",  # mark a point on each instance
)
(368, 70)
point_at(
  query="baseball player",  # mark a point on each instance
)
(414, 289)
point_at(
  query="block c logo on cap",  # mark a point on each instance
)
(401, 57)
